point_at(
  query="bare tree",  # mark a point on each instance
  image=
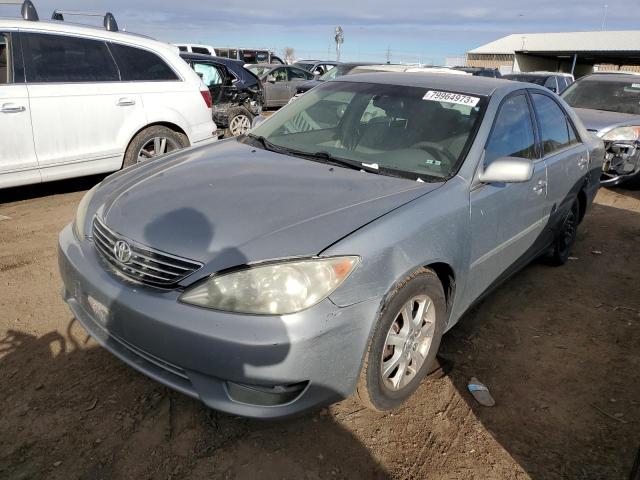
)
(289, 54)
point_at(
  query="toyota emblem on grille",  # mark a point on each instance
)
(122, 251)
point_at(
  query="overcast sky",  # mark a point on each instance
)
(413, 30)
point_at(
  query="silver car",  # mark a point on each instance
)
(329, 250)
(279, 82)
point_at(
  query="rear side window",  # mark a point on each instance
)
(138, 65)
(512, 134)
(204, 51)
(4, 59)
(554, 127)
(64, 59)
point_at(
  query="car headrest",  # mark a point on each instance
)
(391, 105)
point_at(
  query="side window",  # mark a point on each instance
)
(278, 75)
(182, 48)
(5, 54)
(296, 74)
(551, 84)
(202, 50)
(210, 74)
(137, 64)
(554, 128)
(512, 134)
(64, 59)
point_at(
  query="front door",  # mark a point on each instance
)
(507, 219)
(277, 87)
(18, 162)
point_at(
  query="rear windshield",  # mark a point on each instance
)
(622, 96)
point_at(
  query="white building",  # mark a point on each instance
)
(572, 52)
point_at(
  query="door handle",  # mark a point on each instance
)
(126, 102)
(582, 162)
(540, 187)
(12, 108)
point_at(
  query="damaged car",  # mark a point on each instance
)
(609, 106)
(326, 252)
(236, 93)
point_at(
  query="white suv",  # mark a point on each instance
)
(78, 100)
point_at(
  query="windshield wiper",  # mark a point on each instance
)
(342, 162)
(266, 144)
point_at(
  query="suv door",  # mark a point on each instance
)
(507, 219)
(18, 162)
(79, 109)
(567, 158)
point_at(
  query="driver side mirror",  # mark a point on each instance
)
(507, 170)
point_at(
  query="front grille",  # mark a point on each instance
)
(145, 265)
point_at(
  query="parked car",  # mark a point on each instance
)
(337, 71)
(235, 91)
(480, 71)
(328, 251)
(609, 106)
(317, 67)
(355, 68)
(80, 100)
(246, 55)
(279, 82)
(554, 81)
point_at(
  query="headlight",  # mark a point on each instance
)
(623, 134)
(81, 213)
(273, 289)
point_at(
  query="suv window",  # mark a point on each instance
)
(204, 51)
(512, 134)
(554, 127)
(4, 59)
(64, 59)
(210, 74)
(137, 64)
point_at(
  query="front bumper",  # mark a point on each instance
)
(207, 354)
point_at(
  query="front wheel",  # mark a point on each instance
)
(153, 142)
(239, 121)
(404, 343)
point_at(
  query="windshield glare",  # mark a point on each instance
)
(393, 127)
(622, 96)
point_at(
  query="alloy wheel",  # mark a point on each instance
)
(156, 146)
(239, 125)
(408, 342)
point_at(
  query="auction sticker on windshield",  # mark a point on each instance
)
(448, 97)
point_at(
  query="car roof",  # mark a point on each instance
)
(484, 86)
(611, 77)
(315, 61)
(70, 28)
(202, 56)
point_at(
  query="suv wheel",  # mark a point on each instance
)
(153, 142)
(239, 121)
(405, 341)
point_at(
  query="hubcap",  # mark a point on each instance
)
(239, 125)
(156, 146)
(408, 342)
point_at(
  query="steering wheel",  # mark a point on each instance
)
(435, 148)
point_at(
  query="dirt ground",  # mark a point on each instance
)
(558, 347)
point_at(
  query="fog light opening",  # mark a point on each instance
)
(265, 396)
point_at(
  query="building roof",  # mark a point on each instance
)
(595, 41)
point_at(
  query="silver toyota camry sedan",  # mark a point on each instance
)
(328, 251)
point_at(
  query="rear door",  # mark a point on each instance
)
(78, 105)
(507, 219)
(567, 158)
(18, 162)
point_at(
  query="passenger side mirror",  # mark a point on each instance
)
(507, 170)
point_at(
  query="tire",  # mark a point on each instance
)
(566, 237)
(145, 141)
(239, 121)
(383, 391)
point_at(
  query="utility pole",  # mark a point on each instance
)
(339, 38)
(604, 17)
(388, 54)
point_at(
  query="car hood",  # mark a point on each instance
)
(229, 204)
(601, 121)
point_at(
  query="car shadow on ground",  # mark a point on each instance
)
(562, 358)
(27, 192)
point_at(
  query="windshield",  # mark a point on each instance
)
(258, 70)
(622, 96)
(413, 132)
(537, 79)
